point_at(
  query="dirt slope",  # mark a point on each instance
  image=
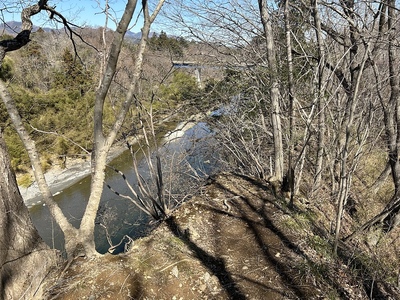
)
(235, 241)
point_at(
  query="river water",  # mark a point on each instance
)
(188, 155)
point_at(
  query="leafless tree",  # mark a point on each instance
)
(81, 241)
(149, 193)
(391, 212)
(274, 89)
(321, 79)
(241, 33)
(290, 174)
(25, 259)
(388, 24)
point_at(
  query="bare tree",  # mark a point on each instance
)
(103, 143)
(388, 20)
(148, 195)
(321, 78)
(392, 209)
(348, 120)
(274, 89)
(25, 259)
(241, 35)
(11, 45)
(81, 241)
(290, 174)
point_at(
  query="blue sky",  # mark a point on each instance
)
(89, 12)
(79, 12)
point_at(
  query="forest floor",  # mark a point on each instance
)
(236, 240)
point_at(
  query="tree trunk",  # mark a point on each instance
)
(392, 219)
(290, 174)
(390, 215)
(81, 241)
(320, 98)
(103, 144)
(274, 89)
(70, 233)
(347, 165)
(25, 260)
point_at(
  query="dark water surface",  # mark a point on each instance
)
(193, 148)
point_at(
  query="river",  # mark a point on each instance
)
(187, 154)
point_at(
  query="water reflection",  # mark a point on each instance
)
(185, 158)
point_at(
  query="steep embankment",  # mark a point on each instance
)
(60, 178)
(234, 241)
(75, 169)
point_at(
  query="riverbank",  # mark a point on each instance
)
(76, 169)
(59, 178)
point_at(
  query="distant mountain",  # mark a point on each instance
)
(14, 27)
(133, 35)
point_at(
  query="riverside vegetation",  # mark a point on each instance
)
(243, 234)
(59, 106)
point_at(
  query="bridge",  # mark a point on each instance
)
(197, 66)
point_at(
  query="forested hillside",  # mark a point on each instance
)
(302, 100)
(53, 82)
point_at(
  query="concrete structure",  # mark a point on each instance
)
(197, 67)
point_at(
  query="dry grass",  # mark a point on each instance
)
(237, 241)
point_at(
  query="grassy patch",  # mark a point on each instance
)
(175, 243)
(300, 222)
(320, 245)
(25, 180)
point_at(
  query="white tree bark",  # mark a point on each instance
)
(274, 89)
(70, 233)
(82, 239)
(103, 144)
(320, 98)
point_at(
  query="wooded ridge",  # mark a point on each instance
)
(311, 118)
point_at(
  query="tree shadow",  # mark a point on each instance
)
(257, 222)
(249, 225)
(257, 219)
(372, 287)
(215, 265)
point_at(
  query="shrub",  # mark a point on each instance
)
(25, 180)
(7, 69)
(182, 87)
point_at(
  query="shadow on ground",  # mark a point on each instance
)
(231, 242)
(240, 244)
